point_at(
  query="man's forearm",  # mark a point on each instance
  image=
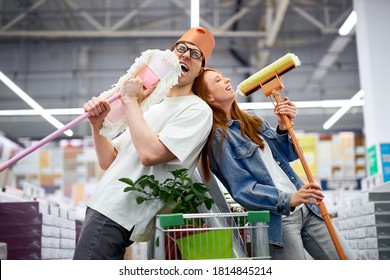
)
(104, 148)
(150, 149)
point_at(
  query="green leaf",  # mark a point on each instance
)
(164, 196)
(140, 199)
(200, 187)
(209, 203)
(187, 180)
(171, 201)
(155, 191)
(143, 177)
(178, 207)
(143, 183)
(127, 181)
(178, 173)
(189, 197)
(127, 189)
(197, 193)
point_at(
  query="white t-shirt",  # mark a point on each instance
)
(279, 177)
(183, 124)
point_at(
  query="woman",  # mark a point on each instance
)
(251, 159)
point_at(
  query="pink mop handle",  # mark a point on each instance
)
(50, 137)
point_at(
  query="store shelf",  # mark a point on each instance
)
(366, 223)
(33, 230)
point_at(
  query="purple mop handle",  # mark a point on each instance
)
(50, 137)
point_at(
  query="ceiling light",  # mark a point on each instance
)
(300, 104)
(53, 112)
(348, 24)
(354, 100)
(38, 108)
(194, 13)
(243, 105)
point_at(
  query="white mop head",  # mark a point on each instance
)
(170, 78)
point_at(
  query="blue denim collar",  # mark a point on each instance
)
(234, 122)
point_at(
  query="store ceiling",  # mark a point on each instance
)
(250, 35)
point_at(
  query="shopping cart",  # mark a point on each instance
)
(241, 235)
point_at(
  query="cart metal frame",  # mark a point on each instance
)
(236, 235)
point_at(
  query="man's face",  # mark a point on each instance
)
(190, 67)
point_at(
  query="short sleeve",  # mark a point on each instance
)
(187, 133)
(117, 142)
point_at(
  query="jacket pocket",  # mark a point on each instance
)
(245, 151)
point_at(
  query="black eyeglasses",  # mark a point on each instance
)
(194, 53)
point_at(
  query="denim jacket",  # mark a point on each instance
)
(243, 173)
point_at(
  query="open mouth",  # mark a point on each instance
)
(228, 88)
(184, 68)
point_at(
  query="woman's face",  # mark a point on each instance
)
(219, 89)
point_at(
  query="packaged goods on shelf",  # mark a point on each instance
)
(35, 230)
(366, 223)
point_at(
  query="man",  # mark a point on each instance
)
(167, 137)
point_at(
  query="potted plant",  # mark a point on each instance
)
(180, 193)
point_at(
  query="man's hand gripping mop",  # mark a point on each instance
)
(153, 67)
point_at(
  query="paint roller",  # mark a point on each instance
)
(154, 67)
(265, 75)
(268, 79)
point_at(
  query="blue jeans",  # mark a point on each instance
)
(101, 238)
(305, 231)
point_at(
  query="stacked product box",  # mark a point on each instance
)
(34, 230)
(365, 224)
(3, 251)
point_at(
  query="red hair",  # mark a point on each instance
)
(250, 124)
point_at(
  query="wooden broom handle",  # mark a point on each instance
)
(321, 205)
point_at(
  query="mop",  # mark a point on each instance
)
(157, 68)
(268, 79)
